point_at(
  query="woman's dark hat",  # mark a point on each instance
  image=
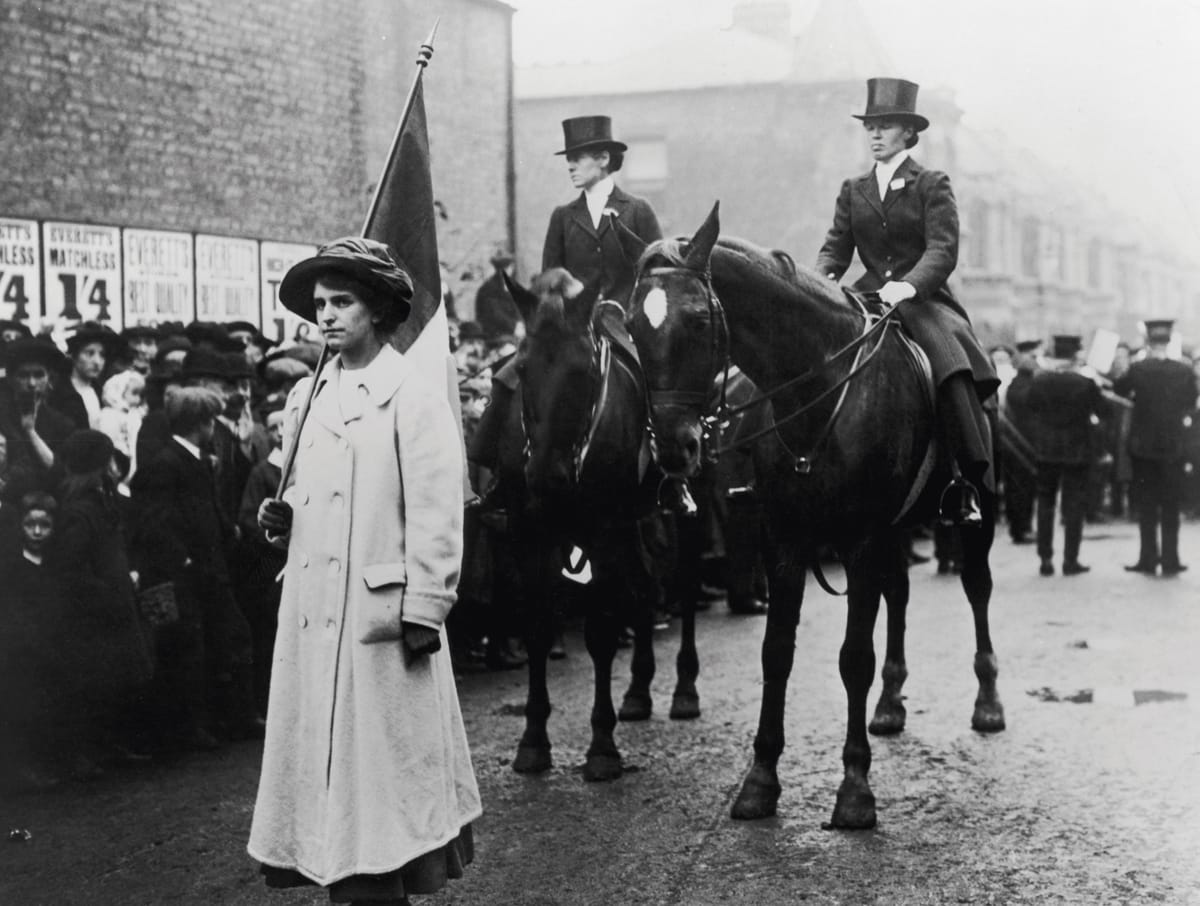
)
(89, 451)
(33, 350)
(203, 361)
(365, 260)
(149, 331)
(581, 133)
(91, 332)
(894, 99)
(19, 326)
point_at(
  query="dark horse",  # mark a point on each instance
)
(851, 447)
(591, 483)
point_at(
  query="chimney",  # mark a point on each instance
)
(768, 18)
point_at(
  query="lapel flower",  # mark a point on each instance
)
(896, 184)
(611, 212)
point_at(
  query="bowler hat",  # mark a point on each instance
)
(32, 350)
(1028, 345)
(1159, 330)
(894, 99)
(1067, 345)
(237, 368)
(202, 361)
(369, 262)
(91, 332)
(583, 132)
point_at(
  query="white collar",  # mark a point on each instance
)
(187, 445)
(885, 170)
(601, 190)
(377, 377)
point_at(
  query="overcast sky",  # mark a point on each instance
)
(1108, 88)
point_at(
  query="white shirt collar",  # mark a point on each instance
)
(187, 445)
(884, 171)
(597, 197)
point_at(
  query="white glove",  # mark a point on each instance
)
(896, 291)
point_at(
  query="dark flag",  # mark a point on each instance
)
(402, 214)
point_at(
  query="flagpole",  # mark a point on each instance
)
(424, 54)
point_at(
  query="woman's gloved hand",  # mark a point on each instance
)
(275, 517)
(896, 291)
(419, 640)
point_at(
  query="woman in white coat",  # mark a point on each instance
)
(367, 787)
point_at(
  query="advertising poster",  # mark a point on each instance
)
(20, 272)
(279, 323)
(81, 264)
(158, 277)
(227, 284)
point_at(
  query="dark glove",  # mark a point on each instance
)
(419, 640)
(275, 517)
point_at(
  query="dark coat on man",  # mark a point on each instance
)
(1062, 404)
(1163, 392)
(911, 236)
(594, 254)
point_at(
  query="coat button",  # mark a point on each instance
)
(335, 566)
(331, 624)
(303, 621)
(306, 499)
(304, 560)
(887, 273)
(308, 442)
(336, 498)
(345, 444)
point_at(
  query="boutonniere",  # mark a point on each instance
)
(896, 184)
(611, 212)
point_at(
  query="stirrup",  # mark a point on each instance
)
(963, 509)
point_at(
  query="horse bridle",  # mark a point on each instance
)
(712, 423)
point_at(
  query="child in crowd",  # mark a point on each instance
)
(122, 414)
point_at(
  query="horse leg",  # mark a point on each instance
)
(890, 712)
(600, 634)
(760, 791)
(685, 704)
(536, 568)
(637, 703)
(855, 806)
(988, 716)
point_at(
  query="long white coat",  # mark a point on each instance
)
(365, 764)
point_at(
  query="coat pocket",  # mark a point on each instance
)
(379, 617)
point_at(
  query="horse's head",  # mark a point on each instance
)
(683, 341)
(560, 377)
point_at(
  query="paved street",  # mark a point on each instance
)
(1092, 794)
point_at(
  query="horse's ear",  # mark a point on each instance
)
(579, 308)
(631, 243)
(527, 302)
(701, 245)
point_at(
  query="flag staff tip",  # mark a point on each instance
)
(426, 51)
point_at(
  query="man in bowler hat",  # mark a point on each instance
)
(1164, 393)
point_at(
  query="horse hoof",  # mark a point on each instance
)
(685, 707)
(602, 768)
(532, 760)
(888, 720)
(988, 718)
(759, 795)
(854, 809)
(635, 706)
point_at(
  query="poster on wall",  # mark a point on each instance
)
(158, 277)
(81, 265)
(227, 284)
(278, 323)
(20, 275)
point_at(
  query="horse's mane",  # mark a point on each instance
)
(774, 267)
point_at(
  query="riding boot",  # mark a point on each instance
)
(967, 448)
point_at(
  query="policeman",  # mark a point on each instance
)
(1164, 393)
(1063, 406)
(1017, 453)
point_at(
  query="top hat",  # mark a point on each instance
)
(502, 257)
(32, 350)
(894, 99)
(583, 132)
(91, 332)
(365, 260)
(1028, 345)
(1067, 345)
(1159, 331)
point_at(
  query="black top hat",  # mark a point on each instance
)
(32, 350)
(1159, 331)
(91, 332)
(1028, 345)
(583, 132)
(1067, 345)
(894, 99)
(365, 260)
(203, 361)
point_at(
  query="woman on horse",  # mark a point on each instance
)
(903, 221)
(582, 236)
